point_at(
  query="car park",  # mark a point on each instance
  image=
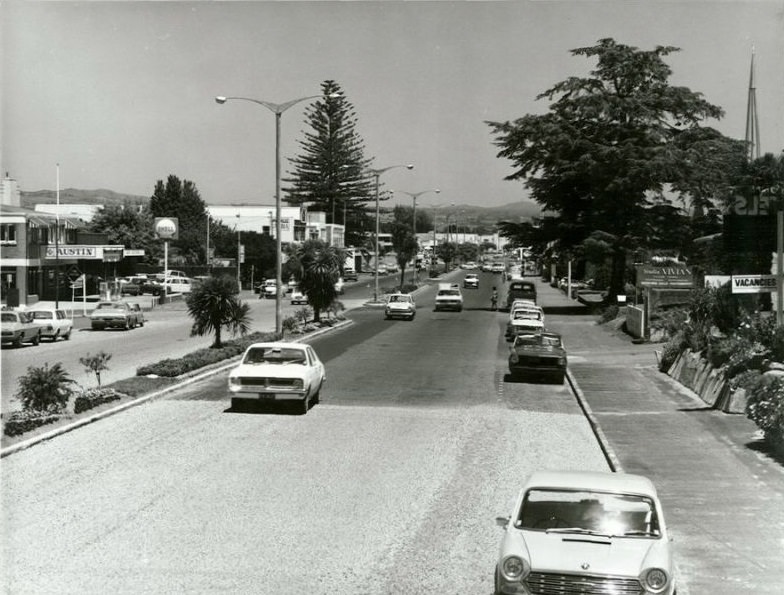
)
(471, 280)
(116, 315)
(54, 323)
(585, 532)
(298, 298)
(448, 297)
(277, 371)
(400, 305)
(16, 328)
(538, 354)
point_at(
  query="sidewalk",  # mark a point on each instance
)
(724, 498)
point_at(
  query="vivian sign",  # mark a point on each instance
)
(166, 228)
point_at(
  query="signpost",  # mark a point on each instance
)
(166, 228)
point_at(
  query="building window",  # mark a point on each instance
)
(8, 234)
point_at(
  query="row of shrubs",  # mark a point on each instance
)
(743, 343)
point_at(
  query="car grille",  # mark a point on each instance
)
(288, 383)
(540, 583)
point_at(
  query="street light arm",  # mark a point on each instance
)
(277, 108)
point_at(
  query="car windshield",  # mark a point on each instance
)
(42, 315)
(448, 292)
(9, 317)
(539, 340)
(275, 355)
(398, 298)
(572, 511)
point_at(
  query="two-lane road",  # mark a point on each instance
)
(389, 485)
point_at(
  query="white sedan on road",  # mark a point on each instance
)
(277, 371)
(54, 323)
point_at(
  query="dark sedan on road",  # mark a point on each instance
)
(116, 315)
(538, 354)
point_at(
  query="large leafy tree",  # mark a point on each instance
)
(403, 241)
(330, 173)
(214, 304)
(181, 199)
(128, 224)
(318, 271)
(611, 145)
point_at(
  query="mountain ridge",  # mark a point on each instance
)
(524, 209)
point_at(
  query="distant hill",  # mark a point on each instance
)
(517, 211)
(73, 196)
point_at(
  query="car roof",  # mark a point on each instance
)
(600, 481)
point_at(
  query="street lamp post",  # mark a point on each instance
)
(277, 109)
(239, 256)
(414, 196)
(376, 173)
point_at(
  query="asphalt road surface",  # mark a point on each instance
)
(390, 485)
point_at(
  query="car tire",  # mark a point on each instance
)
(37, 339)
(56, 334)
(127, 325)
(317, 397)
(141, 323)
(19, 341)
(67, 335)
(303, 407)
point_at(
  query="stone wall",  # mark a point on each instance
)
(696, 373)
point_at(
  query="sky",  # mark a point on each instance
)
(121, 94)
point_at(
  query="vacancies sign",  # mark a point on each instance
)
(753, 283)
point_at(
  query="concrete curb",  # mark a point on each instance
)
(187, 378)
(609, 454)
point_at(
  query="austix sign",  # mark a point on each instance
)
(753, 283)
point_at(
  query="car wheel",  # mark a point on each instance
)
(141, 322)
(317, 397)
(304, 406)
(19, 341)
(67, 335)
(56, 334)
(37, 339)
(127, 324)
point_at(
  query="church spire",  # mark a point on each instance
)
(752, 122)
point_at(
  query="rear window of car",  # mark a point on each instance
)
(522, 286)
(9, 317)
(41, 315)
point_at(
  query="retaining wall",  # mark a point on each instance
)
(696, 373)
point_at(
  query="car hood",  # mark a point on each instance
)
(270, 370)
(591, 554)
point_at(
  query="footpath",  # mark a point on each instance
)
(723, 495)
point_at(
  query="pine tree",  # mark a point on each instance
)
(330, 174)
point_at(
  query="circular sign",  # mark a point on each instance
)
(166, 228)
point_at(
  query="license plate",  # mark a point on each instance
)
(266, 397)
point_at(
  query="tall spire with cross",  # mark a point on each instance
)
(752, 122)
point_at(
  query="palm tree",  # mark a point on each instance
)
(320, 270)
(214, 304)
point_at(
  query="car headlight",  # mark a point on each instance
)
(561, 361)
(655, 580)
(234, 381)
(298, 383)
(514, 568)
(514, 358)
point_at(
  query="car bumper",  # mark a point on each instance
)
(399, 313)
(449, 306)
(110, 323)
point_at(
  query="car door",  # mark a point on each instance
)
(317, 368)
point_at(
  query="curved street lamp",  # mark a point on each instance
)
(376, 173)
(277, 109)
(414, 196)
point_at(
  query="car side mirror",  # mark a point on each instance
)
(503, 521)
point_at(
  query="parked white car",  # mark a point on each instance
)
(585, 532)
(297, 297)
(178, 284)
(277, 371)
(524, 320)
(54, 323)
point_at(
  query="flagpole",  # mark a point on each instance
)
(57, 246)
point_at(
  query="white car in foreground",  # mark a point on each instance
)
(585, 532)
(400, 305)
(281, 371)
